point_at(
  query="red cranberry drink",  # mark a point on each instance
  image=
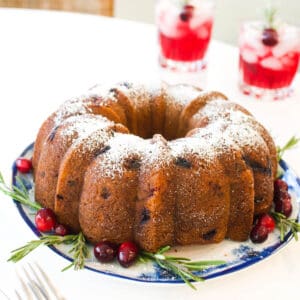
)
(269, 58)
(184, 30)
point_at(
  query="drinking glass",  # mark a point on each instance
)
(269, 59)
(184, 33)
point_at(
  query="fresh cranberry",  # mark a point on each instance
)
(186, 13)
(105, 251)
(281, 185)
(23, 165)
(279, 195)
(127, 254)
(45, 220)
(259, 233)
(270, 37)
(284, 206)
(280, 189)
(61, 230)
(267, 221)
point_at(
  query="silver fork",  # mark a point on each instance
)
(36, 284)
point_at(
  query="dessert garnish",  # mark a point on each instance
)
(18, 192)
(180, 266)
(23, 165)
(45, 220)
(186, 13)
(290, 144)
(285, 224)
(267, 221)
(128, 253)
(264, 225)
(79, 249)
(282, 198)
(61, 230)
(105, 251)
(283, 203)
(270, 34)
(259, 234)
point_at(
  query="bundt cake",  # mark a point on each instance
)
(164, 165)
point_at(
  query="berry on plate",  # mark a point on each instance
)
(127, 254)
(284, 206)
(267, 221)
(61, 230)
(105, 251)
(45, 220)
(23, 165)
(259, 234)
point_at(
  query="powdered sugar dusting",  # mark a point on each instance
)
(229, 129)
(213, 110)
(152, 154)
(94, 138)
(226, 128)
(157, 153)
(105, 91)
(189, 145)
(244, 136)
(137, 93)
(93, 142)
(70, 108)
(121, 147)
(81, 125)
(182, 94)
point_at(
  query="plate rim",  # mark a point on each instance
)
(231, 269)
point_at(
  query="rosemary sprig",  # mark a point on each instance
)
(270, 16)
(291, 143)
(284, 224)
(46, 240)
(18, 193)
(80, 251)
(77, 240)
(179, 266)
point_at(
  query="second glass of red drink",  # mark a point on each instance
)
(269, 57)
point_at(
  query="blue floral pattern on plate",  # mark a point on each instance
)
(238, 255)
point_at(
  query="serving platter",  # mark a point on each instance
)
(238, 255)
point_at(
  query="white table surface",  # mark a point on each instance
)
(47, 57)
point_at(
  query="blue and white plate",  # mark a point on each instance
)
(238, 255)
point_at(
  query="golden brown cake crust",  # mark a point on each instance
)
(202, 193)
(160, 165)
(72, 172)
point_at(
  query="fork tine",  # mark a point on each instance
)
(49, 282)
(40, 290)
(34, 287)
(24, 286)
(36, 284)
(18, 295)
(2, 293)
(35, 290)
(40, 286)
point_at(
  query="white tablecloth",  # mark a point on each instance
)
(47, 57)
